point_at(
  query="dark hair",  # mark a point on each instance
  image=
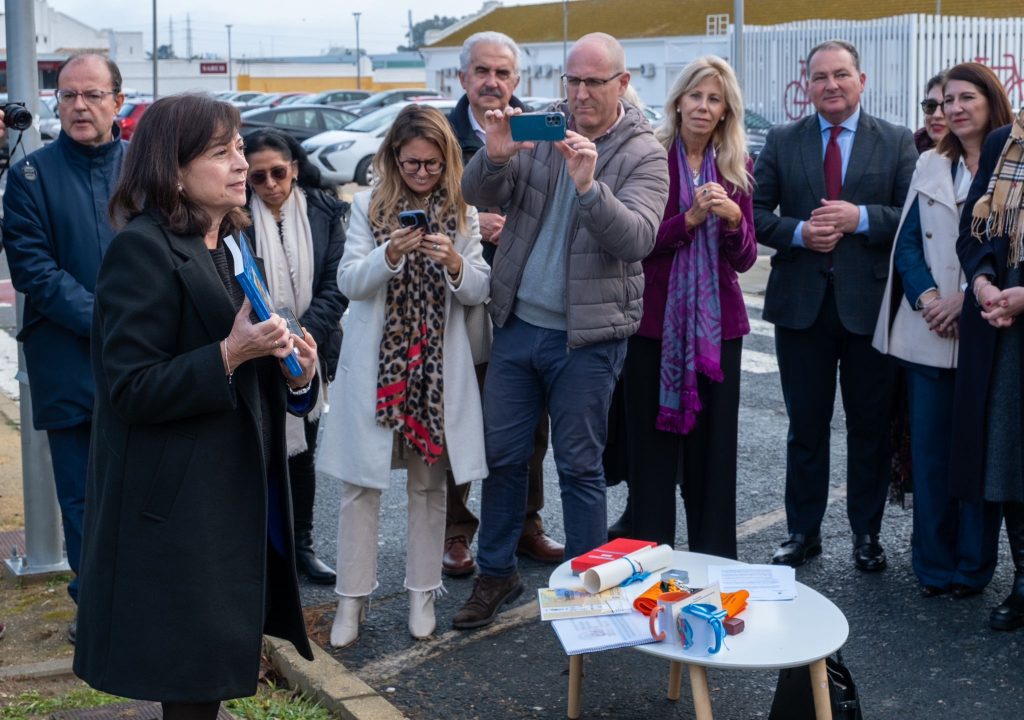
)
(289, 147)
(115, 72)
(939, 79)
(999, 110)
(173, 132)
(834, 45)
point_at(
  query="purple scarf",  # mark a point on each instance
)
(691, 340)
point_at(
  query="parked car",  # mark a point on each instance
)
(334, 97)
(128, 116)
(49, 121)
(274, 99)
(757, 131)
(390, 97)
(243, 100)
(347, 155)
(299, 99)
(300, 121)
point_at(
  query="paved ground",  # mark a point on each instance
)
(912, 658)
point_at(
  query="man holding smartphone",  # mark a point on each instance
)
(490, 74)
(566, 290)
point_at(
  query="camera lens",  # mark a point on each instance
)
(17, 117)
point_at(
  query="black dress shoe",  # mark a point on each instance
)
(313, 568)
(962, 592)
(868, 555)
(797, 550)
(930, 591)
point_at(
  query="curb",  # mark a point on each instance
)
(38, 671)
(330, 683)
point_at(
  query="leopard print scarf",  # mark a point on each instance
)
(410, 384)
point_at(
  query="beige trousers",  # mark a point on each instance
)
(359, 523)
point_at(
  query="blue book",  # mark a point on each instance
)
(247, 272)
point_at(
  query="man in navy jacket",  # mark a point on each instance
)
(56, 230)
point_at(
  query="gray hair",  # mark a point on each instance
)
(488, 36)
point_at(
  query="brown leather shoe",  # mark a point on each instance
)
(458, 558)
(536, 545)
(489, 594)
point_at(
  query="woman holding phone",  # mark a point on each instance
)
(406, 388)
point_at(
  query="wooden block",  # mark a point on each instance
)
(733, 626)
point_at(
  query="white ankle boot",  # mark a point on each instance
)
(422, 622)
(348, 617)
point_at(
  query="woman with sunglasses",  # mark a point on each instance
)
(935, 125)
(406, 384)
(953, 549)
(297, 231)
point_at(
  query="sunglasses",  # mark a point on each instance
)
(930, 105)
(259, 177)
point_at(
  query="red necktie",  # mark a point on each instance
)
(833, 165)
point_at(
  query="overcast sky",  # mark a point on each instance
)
(270, 27)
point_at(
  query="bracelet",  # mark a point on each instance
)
(224, 355)
(301, 391)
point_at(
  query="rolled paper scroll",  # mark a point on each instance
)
(610, 574)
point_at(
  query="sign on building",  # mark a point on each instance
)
(213, 68)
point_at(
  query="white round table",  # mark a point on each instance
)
(776, 635)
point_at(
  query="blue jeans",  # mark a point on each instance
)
(69, 452)
(531, 366)
(954, 541)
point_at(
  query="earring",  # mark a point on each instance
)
(180, 188)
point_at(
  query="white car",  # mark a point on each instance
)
(345, 156)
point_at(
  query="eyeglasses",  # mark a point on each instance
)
(930, 105)
(432, 166)
(279, 173)
(573, 83)
(92, 97)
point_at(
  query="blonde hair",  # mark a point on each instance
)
(427, 123)
(729, 138)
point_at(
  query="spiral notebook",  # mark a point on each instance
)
(604, 632)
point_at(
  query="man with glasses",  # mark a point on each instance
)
(838, 179)
(490, 74)
(566, 290)
(56, 230)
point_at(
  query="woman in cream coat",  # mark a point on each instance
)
(405, 385)
(954, 542)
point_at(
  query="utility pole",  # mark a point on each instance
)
(359, 64)
(739, 58)
(411, 42)
(231, 71)
(43, 531)
(155, 92)
(170, 31)
(188, 36)
(565, 33)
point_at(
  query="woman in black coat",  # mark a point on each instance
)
(988, 457)
(188, 558)
(298, 232)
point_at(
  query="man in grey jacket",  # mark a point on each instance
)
(566, 291)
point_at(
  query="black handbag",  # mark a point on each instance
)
(795, 701)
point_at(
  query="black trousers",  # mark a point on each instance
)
(703, 461)
(302, 477)
(808, 360)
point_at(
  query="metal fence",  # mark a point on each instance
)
(898, 54)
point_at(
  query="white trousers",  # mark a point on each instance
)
(359, 523)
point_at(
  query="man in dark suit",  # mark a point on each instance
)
(838, 179)
(489, 74)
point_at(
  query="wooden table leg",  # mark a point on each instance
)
(675, 679)
(819, 688)
(701, 694)
(575, 685)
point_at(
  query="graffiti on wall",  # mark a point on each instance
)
(1007, 72)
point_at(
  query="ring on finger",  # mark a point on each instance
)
(437, 246)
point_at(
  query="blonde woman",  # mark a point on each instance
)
(405, 383)
(682, 373)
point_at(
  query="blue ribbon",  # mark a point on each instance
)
(637, 575)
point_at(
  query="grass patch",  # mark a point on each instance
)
(32, 704)
(273, 703)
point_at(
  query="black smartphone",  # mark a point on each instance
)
(414, 218)
(537, 126)
(293, 325)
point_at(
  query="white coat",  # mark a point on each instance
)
(902, 331)
(354, 448)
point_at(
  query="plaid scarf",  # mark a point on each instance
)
(410, 382)
(998, 211)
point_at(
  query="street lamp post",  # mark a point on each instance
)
(231, 73)
(359, 65)
(155, 46)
